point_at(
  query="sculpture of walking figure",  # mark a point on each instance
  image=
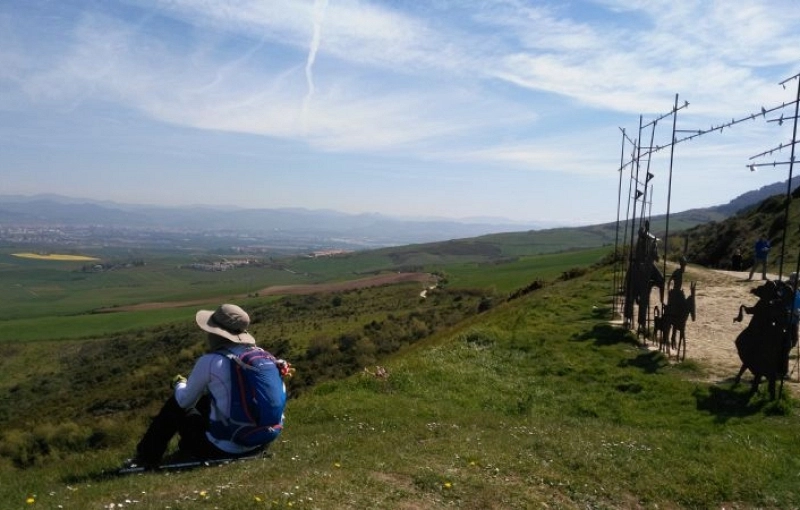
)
(642, 276)
(676, 312)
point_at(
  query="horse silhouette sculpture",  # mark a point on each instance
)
(670, 323)
(763, 346)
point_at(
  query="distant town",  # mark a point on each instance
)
(78, 238)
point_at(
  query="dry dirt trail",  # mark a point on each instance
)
(425, 279)
(710, 339)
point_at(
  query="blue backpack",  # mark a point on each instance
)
(258, 398)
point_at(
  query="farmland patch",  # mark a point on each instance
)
(54, 256)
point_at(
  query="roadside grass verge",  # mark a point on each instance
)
(537, 402)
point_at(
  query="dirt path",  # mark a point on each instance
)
(372, 281)
(710, 339)
(426, 279)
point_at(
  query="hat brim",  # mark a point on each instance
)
(203, 318)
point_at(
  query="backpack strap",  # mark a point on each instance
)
(284, 367)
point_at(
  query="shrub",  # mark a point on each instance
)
(29, 448)
(533, 286)
(575, 272)
(20, 446)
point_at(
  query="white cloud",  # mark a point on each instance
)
(688, 48)
(693, 48)
(509, 84)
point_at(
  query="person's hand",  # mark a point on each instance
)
(285, 368)
(178, 379)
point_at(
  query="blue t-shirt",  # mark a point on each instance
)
(796, 311)
(762, 248)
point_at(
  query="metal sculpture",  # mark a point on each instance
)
(642, 277)
(763, 346)
(671, 326)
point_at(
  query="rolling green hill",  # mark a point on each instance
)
(534, 401)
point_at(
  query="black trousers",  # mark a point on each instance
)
(190, 425)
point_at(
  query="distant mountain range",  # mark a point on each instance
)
(303, 227)
(338, 229)
(693, 217)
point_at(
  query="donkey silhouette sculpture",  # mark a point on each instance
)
(671, 324)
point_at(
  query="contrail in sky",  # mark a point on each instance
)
(318, 17)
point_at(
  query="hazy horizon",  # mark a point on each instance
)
(230, 207)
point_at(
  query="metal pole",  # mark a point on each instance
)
(629, 279)
(636, 191)
(649, 211)
(789, 197)
(669, 185)
(628, 224)
(648, 175)
(616, 239)
(789, 184)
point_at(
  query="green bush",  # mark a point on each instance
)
(29, 448)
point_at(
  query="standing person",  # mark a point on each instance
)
(761, 251)
(794, 319)
(202, 408)
(736, 260)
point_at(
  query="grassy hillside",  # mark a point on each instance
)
(506, 386)
(713, 244)
(536, 402)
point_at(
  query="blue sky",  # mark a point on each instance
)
(490, 108)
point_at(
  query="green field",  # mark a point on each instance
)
(494, 398)
(505, 276)
(535, 403)
(48, 299)
(38, 288)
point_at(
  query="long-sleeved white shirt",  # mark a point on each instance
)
(212, 374)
